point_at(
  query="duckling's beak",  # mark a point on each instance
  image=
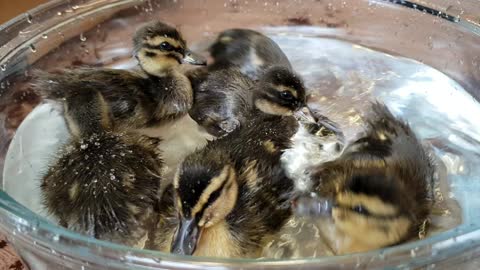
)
(312, 206)
(194, 58)
(305, 115)
(186, 237)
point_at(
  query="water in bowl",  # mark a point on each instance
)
(342, 77)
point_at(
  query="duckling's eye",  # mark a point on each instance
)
(286, 95)
(360, 209)
(166, 46)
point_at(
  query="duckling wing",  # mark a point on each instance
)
(60, 84)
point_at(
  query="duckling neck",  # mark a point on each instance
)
(171, 95)
(218, 241)
(160, 73)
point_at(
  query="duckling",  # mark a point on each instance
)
(157, 94)
(233, 195)
(247, 50)
(103, 184)
(378, 187)
(222, 99)
(223, 89)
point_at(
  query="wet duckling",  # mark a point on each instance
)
(233, 195)
(103, 184)
(379, 187)
(223, 89)
(222, 99)
(247, 50)
(155, 95)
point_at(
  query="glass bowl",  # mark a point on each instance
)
(442, 34)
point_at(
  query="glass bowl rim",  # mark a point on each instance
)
(12, 212)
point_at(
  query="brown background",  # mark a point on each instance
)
(12, 8)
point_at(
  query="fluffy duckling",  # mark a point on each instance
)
(136, 100)
(222, 99)
(249, 51)
(378, 188)
(103, 184)
(223, 89)
(233, 195)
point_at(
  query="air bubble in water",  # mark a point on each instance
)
(29, 18)
(44, 36)
(413, 254)
(32, 48)
(83, 38)
(56, 238)
(381, 255)
(3, 67)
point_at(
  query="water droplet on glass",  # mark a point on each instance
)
(413, 254)
(32, 48)
(430, 45)
(83, 38)
(455, 11)
(381, 255)
(29, 18)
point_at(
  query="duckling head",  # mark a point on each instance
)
(159, 47)
(279, 92)
(370, 206)
(372, 209)
(205, 197)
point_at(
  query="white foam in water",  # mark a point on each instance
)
(343, 77)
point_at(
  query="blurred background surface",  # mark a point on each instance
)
(11, 8)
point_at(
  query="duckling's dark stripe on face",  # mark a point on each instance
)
(179, 50)
(362, 210)
(196, 185)
(377, 184)
(366, 205)
(213, 197)
(283, 88)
